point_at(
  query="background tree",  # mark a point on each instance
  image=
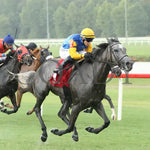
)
(118, 19)
(137, 20)
(105, 17)
(59, 21)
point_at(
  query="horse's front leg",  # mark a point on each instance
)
(74, 114)
(100, 110)
(113, 115)
(13, 101)
(62, 114)
(37, 109)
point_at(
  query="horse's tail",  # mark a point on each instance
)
(13, 75)
(22, 77)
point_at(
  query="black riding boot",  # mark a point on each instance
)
(62, 65)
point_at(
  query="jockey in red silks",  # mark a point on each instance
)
(21, 51)
(5, 45)
(25, 49)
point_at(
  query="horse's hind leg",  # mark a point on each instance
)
(37, 110)
(19, 97)
(89, 110)
(74, 114)
(13, 101)
(100, 110)
(62, 114)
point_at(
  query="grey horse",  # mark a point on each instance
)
(86, 86)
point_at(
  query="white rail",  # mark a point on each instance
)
(55, 42)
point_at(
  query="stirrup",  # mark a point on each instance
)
(57, 70)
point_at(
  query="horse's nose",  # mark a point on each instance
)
(30, 62)
(129, 64)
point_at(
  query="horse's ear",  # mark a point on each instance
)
(40, 47)
(48, 47)
(108, 40)
(115, 39)
(16, 45)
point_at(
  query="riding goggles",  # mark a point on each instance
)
(89, 39)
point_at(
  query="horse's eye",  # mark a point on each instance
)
(116, 50)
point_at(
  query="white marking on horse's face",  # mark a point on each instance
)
(49, 57)
(117, 46)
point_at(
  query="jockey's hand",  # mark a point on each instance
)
(88, 57)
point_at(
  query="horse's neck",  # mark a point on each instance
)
(13, 65)
(99, 69)
(102, 66)
(36, 63)
(36, 53)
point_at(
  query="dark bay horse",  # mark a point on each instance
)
(39, 56)
(9, 85)
(87, 86)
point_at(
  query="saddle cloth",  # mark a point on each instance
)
(61, 79)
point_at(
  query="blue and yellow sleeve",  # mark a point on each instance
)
(73, 51)
(89, 48)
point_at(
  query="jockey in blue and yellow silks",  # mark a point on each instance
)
(75, 47)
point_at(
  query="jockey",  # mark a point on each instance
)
(5, 45)
(75, 47)
(31, 46)
(22, 50)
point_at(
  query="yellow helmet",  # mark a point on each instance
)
(88, 33)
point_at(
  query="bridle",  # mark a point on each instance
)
(112, 52)
(25, 61)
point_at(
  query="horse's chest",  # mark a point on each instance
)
(98, 91)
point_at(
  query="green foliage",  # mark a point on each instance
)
(138, 18)
(105, 17)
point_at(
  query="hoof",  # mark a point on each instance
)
(28, 113)
(55, 131)
(43, 138)
(89, 129)
(3, 110)
(75, 138)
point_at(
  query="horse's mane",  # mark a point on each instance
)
(100, 49)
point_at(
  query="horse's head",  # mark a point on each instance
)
(23, 56)
(118, 54)
(45, 54)
(26, 59)
(41, 54)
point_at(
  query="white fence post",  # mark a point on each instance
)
(120, 93)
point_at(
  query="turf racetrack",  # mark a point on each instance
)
(21, 132)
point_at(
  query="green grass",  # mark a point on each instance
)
(22, 132)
